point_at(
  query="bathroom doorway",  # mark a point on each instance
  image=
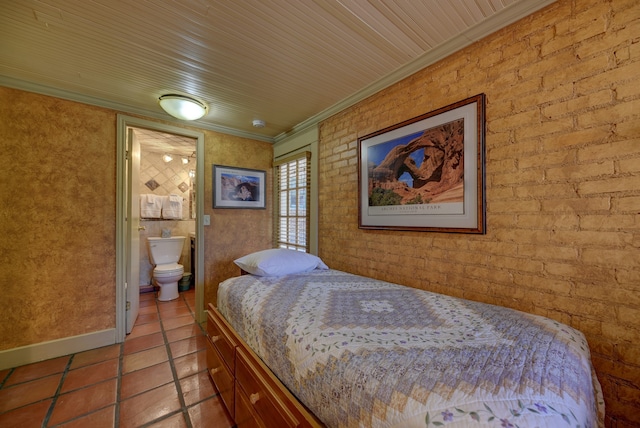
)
(156, 159)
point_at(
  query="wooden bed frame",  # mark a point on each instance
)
(251, 393)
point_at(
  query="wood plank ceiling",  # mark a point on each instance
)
(286, 62)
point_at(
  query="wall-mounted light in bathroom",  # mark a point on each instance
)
(185, 160)
(192, 173)
(167, 158)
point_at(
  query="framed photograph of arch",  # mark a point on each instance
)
(426, 173)
(238, 187)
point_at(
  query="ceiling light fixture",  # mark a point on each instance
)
(258, 123)
(167, 158)
(185, 160)
(182, 107)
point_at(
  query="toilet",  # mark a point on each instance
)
(164, 253)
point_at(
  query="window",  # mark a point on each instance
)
(292, 216)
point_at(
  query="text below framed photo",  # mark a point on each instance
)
(427, 173)
(238, 187)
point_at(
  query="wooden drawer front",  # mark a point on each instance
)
(221, 377)
(221, 339)
(263, 396)
(245, 416)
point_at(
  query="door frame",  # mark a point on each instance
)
(123, 123)
(132, 247)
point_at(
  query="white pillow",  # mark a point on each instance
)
(278, 262)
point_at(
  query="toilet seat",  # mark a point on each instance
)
(168, 270)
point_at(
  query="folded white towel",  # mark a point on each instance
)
(172, 207)
(150, 206)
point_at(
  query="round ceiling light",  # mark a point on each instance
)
(182, 107)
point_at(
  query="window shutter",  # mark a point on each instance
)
(292, 184)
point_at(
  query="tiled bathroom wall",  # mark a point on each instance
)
(164, 178)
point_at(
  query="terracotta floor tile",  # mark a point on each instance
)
(82, 401)
(144, 297)
(196, 388)
(171, 304)
(28, 416)
(183, 332)
(95, 356)
(190, 364)
(172, 323)
(204, 413)
(149, 299)
(147, 318)
(174, 313)
(28, 392)
(104, 418)
(137, 344)
(143, 359)
(145, 310)
(175, 421)
(37, 370)
(187, 346)
(88, 375)
(148, 393)
(171, 307)
(148, 406)
(178, 303)
(3, 375)
(145, 379)
(144, 329)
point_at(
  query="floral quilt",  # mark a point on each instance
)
(360, 352)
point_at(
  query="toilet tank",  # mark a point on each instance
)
(165, 250)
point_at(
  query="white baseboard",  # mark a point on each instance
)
(56, 348)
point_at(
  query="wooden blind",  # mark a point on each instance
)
(292, 184)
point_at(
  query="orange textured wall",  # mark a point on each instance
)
(57, 218)
(562, 182)
(234, 232)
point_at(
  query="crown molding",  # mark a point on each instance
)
(123, 108)
(505, 17)
(510, 14)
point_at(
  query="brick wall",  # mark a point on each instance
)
(562, 182)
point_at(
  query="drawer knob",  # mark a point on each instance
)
(215, 338)
(215, 370)
(253, 398)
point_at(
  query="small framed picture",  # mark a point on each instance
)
(238, 187)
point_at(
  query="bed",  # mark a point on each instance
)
(342, 350)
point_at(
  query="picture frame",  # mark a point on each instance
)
(239, 187)
(426, 173)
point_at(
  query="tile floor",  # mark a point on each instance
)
(156, 378)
